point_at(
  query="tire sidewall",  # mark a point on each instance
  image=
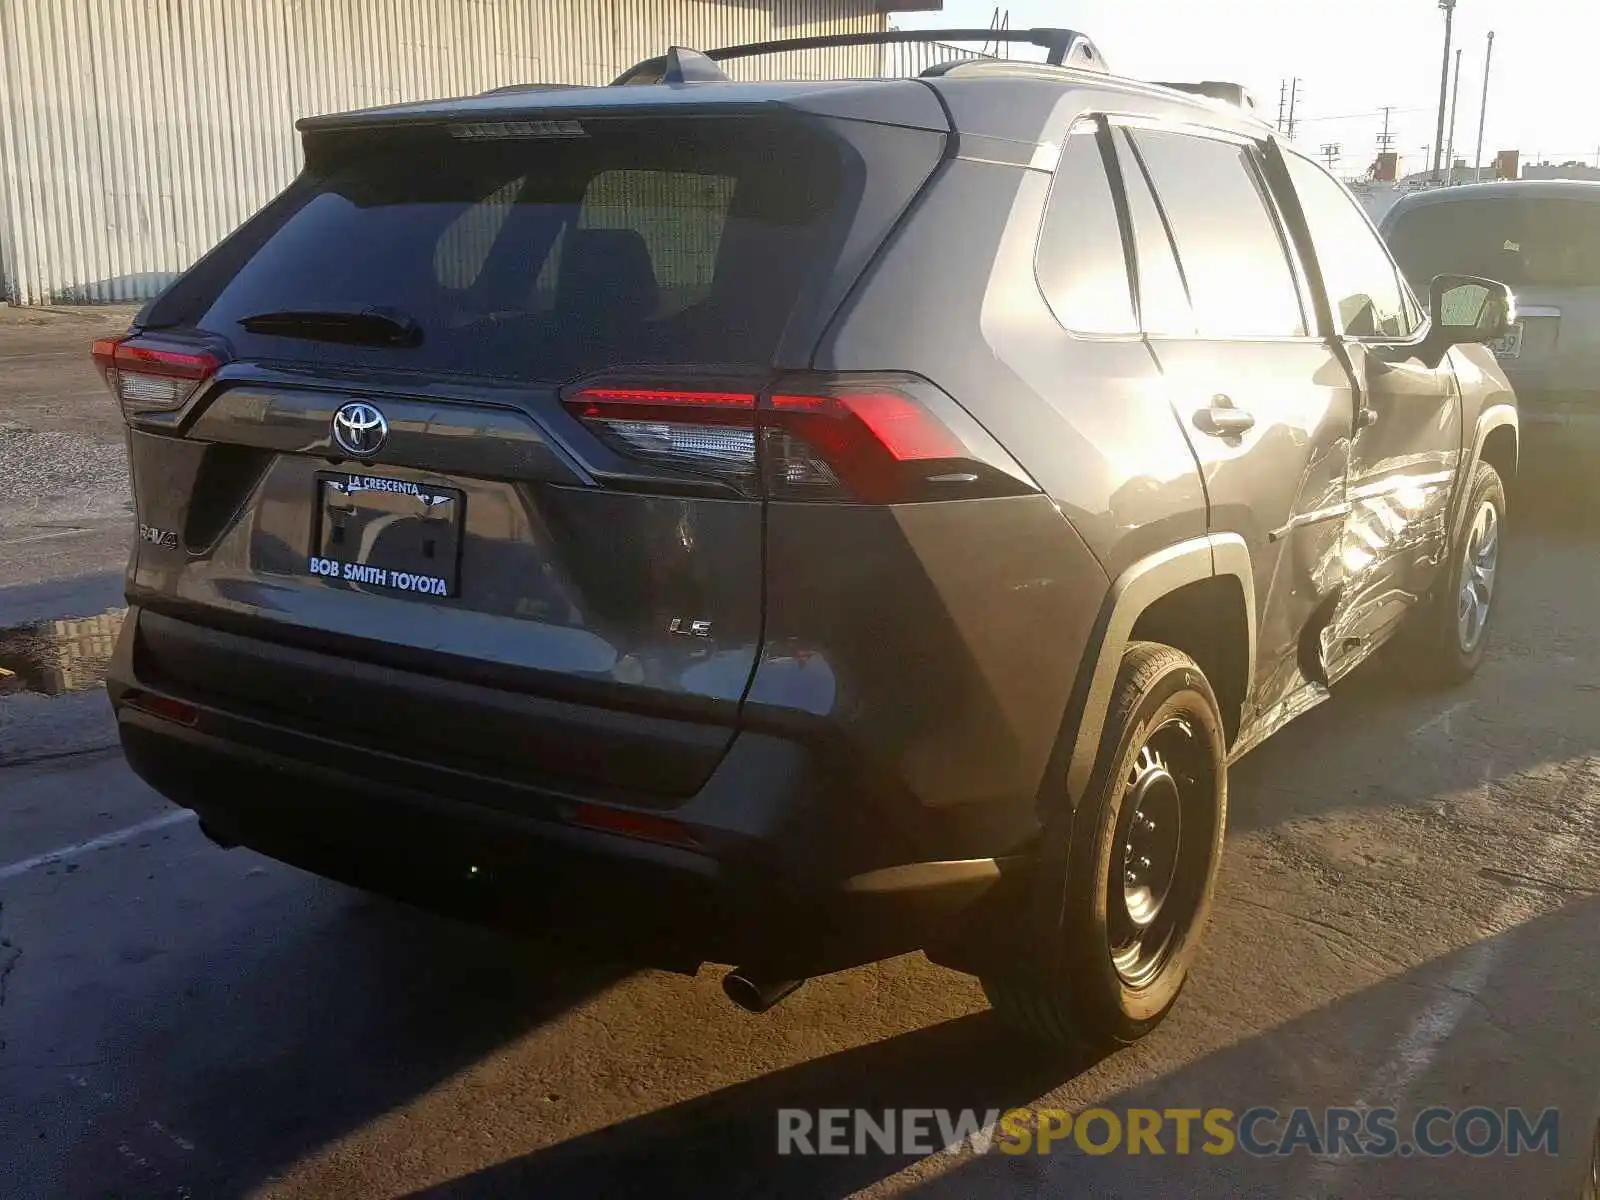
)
(1486, 485)
(1180, 691)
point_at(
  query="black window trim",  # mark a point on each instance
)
(1166, 230)
(1297, 266)
(1278, 172)
(1248, 142)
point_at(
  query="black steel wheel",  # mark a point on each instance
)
(1119, 930)
(1149, 903)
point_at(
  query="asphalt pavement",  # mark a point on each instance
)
(1406, 918)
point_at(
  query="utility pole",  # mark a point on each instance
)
(1283, 103)
(1449, 7)
(1483, 113)
(1450, 150)
(1294, 96)
(1330, 155)
(1386, 139)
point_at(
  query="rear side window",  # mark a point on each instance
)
(544, 259)
(1229, 244)
(1364, 289)
(1082, 265)
(1522, 242)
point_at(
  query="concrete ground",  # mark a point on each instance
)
(64, 505)
(1406, 917)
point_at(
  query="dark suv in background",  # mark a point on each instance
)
(794, 523)
(1542, 239)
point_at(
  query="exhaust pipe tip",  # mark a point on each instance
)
(756, 995)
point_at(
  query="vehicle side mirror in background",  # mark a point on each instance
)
(1469, 310)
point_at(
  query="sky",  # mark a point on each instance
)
(1353, 57)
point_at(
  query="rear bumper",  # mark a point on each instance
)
(787, 865)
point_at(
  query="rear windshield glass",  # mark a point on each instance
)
(545, 259)
(1523, 243)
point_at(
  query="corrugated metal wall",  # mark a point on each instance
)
(135, 134)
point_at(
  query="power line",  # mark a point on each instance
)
(1371, 112)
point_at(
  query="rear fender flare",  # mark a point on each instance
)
(1135, 590)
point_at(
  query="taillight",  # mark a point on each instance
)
(645, 826)
(873, 440)
(712, 432)
(164, 707)
(148, 377)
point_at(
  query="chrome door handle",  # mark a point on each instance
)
(1223, 420)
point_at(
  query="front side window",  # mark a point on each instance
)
(1228, 241)
(1365, 292)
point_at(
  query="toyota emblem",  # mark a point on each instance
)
(359, 429)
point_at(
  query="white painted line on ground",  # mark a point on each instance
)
(1414, 1053)
(1442, 720)
(114, 838)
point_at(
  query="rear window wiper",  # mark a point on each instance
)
(372, 326)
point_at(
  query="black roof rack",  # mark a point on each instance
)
(1064, 47)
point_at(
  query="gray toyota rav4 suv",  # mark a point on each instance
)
(794, 523)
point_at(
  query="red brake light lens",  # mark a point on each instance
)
(164, 707)
(149, 378)
(599, 401)
(906, 430)
(835, 438)
(644, 826)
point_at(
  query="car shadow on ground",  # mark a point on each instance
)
(261, 1049)
(724, 1143)
(1507, 1021)
(1465, 1029)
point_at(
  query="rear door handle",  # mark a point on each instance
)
(1223, 420)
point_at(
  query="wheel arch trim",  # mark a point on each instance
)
(1496, 416)
(1135, 590)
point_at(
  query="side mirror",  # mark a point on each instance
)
(1466, 310)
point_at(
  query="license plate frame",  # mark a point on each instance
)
(387, 536)
(1508, 345)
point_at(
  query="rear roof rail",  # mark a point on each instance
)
(506, 89)
(1235, 94)
(1063, 47)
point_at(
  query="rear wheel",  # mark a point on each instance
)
(1448, 635)
(1116, 934)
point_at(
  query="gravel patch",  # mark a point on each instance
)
(53, 478)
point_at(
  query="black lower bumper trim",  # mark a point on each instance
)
(612, 897)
